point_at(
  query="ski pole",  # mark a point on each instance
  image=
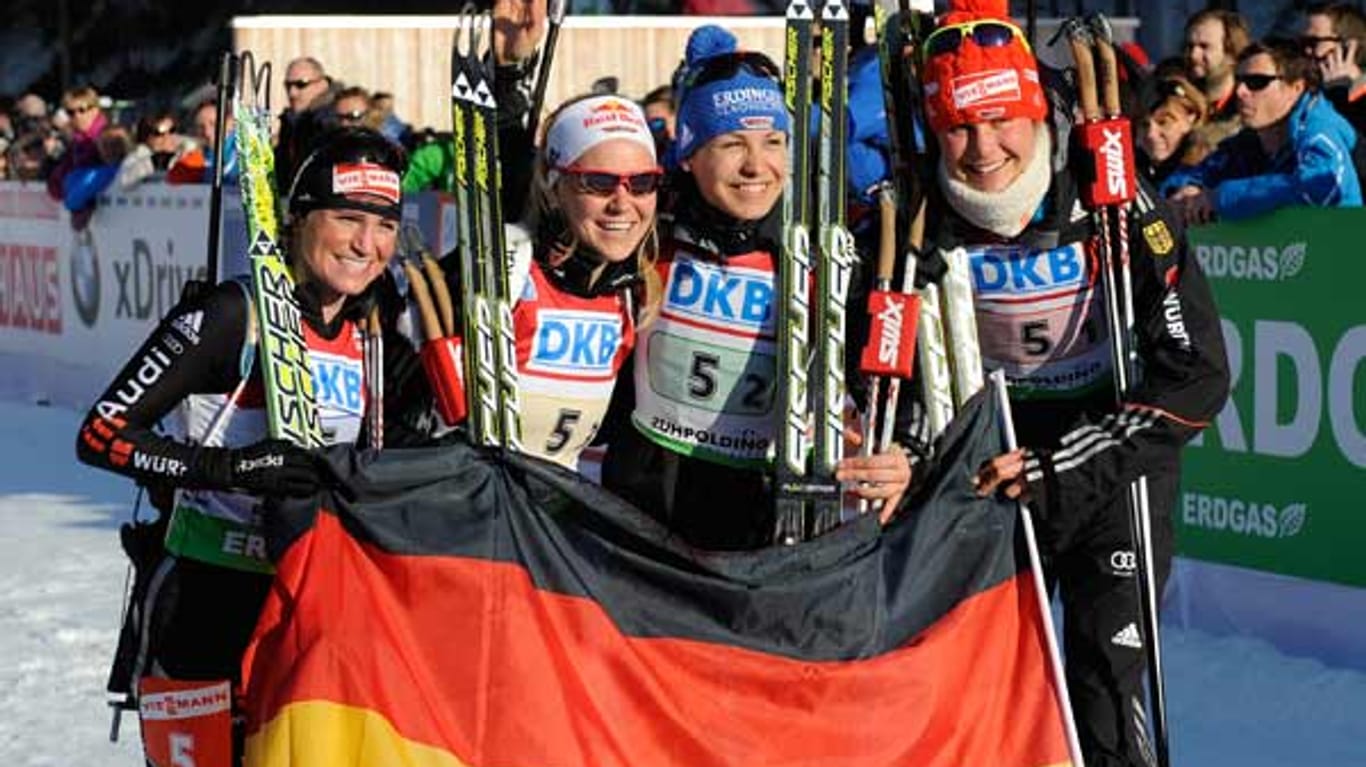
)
(220, 131)
(997, 381)
(1107, 139)
(1117, 146)
(890, 349)
(555, 16)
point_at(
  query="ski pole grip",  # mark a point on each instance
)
(1109, 69)
(890, 350)
(1109, 145)
(422, 296)
(441, 293)
(886, 255)
(444, 366)
(1080, 45)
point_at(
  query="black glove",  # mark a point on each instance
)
(274, 467)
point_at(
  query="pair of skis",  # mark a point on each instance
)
(811, 322)
(291, 402)
(486, 309)
(1107, 140)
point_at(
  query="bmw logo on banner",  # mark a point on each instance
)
(85, 277)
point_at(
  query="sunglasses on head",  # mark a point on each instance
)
(727, 65)
(984, 34)
(298, 85)
(605, 183)
(1255, 82)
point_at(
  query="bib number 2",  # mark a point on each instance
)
(713, 378)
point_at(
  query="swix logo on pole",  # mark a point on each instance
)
(1110, 145)
(1113, 151)
(891, 334)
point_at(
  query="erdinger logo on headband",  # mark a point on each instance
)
(746, 100)
(366, 178)
(614, 115)
(983, 88)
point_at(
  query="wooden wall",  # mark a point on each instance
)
(410, 56)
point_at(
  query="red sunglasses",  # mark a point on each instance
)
(604, 183)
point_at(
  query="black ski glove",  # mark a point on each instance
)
(274, 467)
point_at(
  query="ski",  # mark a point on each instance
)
(794, 278)
(494, 404)
(835, 259)
(291, 403)
(812, 284)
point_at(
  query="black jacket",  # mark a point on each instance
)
(1082, 453)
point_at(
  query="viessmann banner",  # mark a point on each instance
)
(1277, 482)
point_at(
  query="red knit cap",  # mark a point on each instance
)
(976, 84)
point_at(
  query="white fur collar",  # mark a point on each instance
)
(1009, 211)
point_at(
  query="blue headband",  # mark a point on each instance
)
(742, 100)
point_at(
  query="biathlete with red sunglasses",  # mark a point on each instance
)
(1007, 194)
(591, 281)
(583, 280)
(695, 415)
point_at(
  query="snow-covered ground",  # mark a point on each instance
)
(1234, 701)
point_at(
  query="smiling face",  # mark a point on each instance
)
(742, 172)
(344, 251)
(614, 224)
(988, 156)
(1164, 129)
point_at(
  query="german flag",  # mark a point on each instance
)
(453, 607)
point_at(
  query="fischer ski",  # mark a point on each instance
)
(490, 348)
(811, 324)
(835, 259)
(291, 403)
(794, 279)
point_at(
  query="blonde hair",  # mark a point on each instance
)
(544, 208)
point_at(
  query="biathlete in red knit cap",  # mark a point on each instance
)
(1007, 195)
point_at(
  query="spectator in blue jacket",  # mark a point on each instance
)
(1294, 148)
(868, 152)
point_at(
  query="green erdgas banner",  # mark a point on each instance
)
(1278, 482)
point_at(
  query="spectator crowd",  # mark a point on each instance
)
(1231, 127)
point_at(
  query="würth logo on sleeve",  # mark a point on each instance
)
(366, 178)
(982, 88)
